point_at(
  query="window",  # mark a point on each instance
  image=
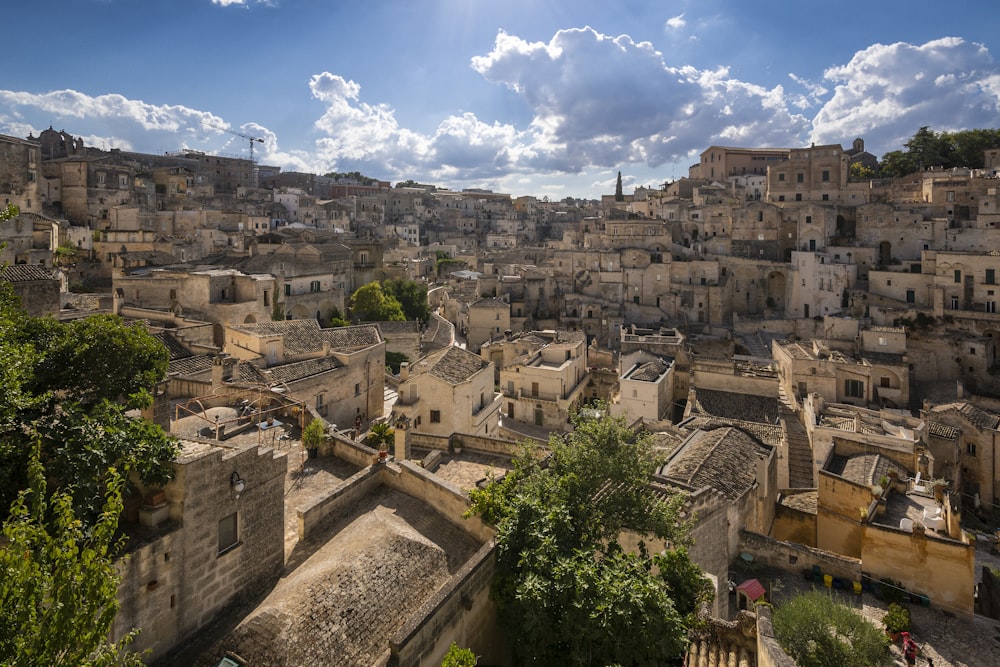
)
(781, 177)
(799, 178)
(991, 276)
(357, 389)
(798, 196)
(319, 403)
(990, 306)
(267, 298)
(958, 275)
(435, 416)
(884, 382)
(911, 296)
(228, 533)
(854, 388)
(288, 289)
(534, 389)
(314, 286)
(954, 303)
(970, 448)
(809, 219)
(825, 197)
(781, 197)
(826, 175)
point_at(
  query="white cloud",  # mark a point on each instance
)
(602, 101)
(676, 23)
(888, 91)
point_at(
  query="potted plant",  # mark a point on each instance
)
(896, 620)
(312, 437)
(380, 436)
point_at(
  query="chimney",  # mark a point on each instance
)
(404, 370)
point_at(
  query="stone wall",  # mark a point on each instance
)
(476, 443)
(459, 612)
(791, 556)
(769, 653)
(175, 584)
(340, 501)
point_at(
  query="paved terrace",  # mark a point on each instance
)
(346, 592)
(950, 639)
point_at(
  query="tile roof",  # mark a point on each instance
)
(724, 459)
(289, 372)
(190, 365)
(943, 430)
(177, 351)
(298, 336)
(732, 405)
(17, 273)
(408, 327)
(651, 371)
(349, 338)
(864, 468)
(803, 501)
(978, 417)
(769, 434)
(490, 303)
(454, 365)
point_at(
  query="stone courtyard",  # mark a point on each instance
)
(948, 638)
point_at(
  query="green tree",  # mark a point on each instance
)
(412, 297)
(337, 318)
(859, 172)
(897, 163)
(369, 303)
(68, 387)
(58, 589)
(929, 149)
(566, 589)
(816, 631)
(8, 212)
(459, 657)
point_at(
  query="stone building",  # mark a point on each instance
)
(36, 286)
(543, 386)
(731, 479)
(488, 319)
(213, 534)
(19, 173)
(971, 435)
(337, 372)
(220, 296)
(446, 392)
(646, 387)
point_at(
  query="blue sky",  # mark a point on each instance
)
(541, 97)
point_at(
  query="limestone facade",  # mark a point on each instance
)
(215, 543)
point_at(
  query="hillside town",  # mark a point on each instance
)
(814, 351)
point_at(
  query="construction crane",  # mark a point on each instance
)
(248, 137)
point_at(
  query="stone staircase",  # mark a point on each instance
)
(800, 466)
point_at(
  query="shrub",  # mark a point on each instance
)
(897, 619)
(816, 631)
(459, 657)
